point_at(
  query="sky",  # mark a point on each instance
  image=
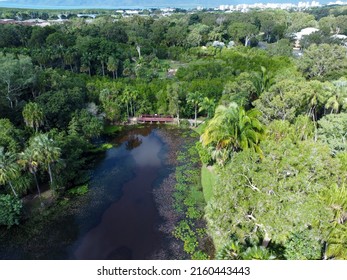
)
(138, 3)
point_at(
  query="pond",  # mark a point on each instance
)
(127, 227)
(117, 219)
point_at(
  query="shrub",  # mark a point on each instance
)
(10, 210)
(80, 190)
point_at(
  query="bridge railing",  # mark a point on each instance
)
(156, 116)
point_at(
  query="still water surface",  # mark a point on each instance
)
(116, 219)
(127, 227)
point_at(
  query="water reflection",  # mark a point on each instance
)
(133, 142)
(116, 219)
(127, 228)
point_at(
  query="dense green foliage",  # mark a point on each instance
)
(10, 210)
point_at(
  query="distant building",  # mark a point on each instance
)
(132, 12)
(337, 3)
(86, 15)
(341, 37)
(218, 44)
(304, 32)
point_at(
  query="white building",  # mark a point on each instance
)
(303, 32)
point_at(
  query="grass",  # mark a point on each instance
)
(104, 147)
(208, 179)
(112, 129)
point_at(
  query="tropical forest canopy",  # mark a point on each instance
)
(276, 119)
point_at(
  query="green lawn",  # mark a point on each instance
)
(208, 178)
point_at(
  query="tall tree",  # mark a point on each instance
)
(9, 136)
(195, 99)
(332, 130)
(234, 129)
(323, 61)
(112, 66)
(29, 162)
(208, 105)
(338, 100)
(33, 115)
(284, 100)
(243, 31)
(46, 151)
(256, 201)
(9, 169)
(85, 124)
(16, 74)
(173, 94)
(110, 103)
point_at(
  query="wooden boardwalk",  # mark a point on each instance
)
(155, 119)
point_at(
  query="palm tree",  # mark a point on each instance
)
(69, 57)
(207, 104)
(44, 150)
(134, 94)
(28, 161)
(33, 115)
(86, 63)
(339, 99)
(233, 128)
(112, 66)
(335, 197)
(261, 81)
(9, 168)
(126, 99)
(257, 253)
(230, 251)
(195, 99)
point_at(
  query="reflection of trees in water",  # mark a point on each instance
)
(133, 142)
(128, 134)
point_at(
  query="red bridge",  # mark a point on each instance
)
(156, 118)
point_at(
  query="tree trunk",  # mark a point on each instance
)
(266, 240)
(10, 101)
(37, 184)
(12, 188)
(196, 114)
(138, 48)
(325, 257)
(131, 106)
(246, 41)
(315, 126)
(50, 174)
(103, 68)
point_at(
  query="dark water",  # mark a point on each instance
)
(125, 221)
(118, 217)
